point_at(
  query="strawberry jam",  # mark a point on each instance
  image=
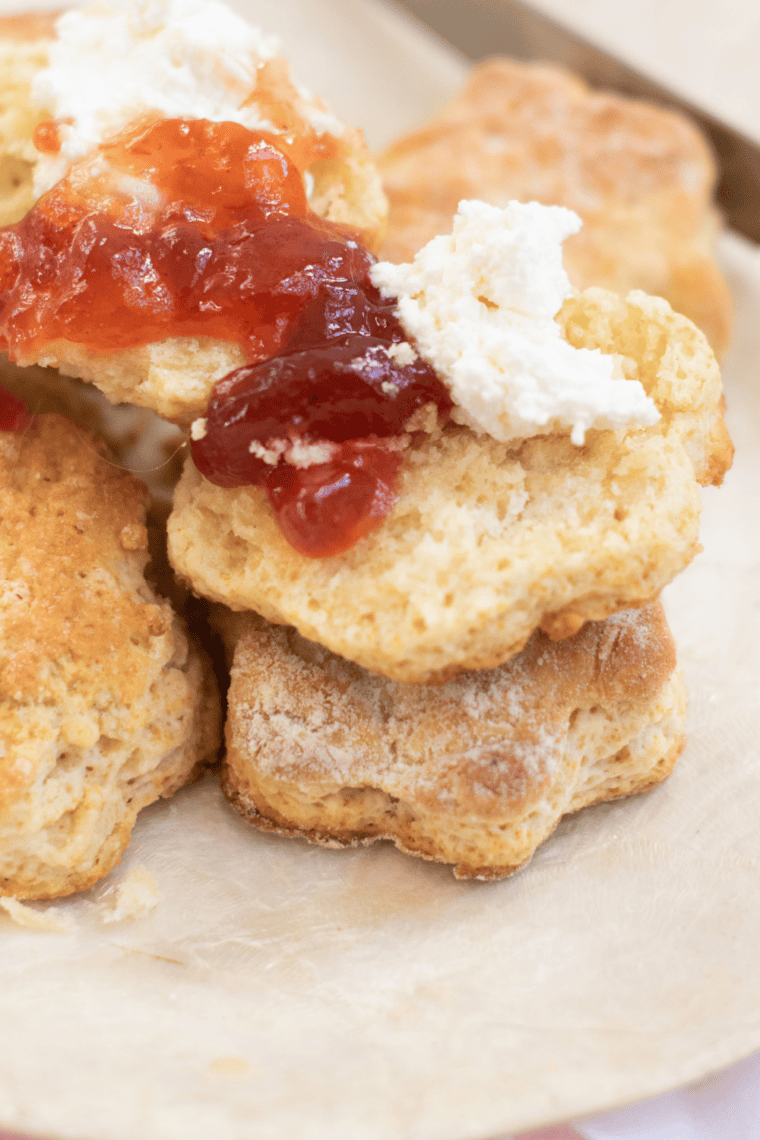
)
(174, 228)
(337, 381)
(326, 508)
(186, 228)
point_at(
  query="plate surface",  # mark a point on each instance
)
(281, 990)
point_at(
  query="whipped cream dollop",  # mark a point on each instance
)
(192, 59)
(480, 306)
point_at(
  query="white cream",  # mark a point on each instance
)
(479, 306)
(182, 58)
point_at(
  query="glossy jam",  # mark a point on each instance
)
(334, 381)
(13, 412)
(175, 228)
(325, 509)
(184, 228)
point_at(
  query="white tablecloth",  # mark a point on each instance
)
(724, 1106)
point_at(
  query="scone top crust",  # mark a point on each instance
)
(640, 177)
(487, 542)
(64, 506)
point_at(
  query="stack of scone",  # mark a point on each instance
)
(479, 693)
(489, 653)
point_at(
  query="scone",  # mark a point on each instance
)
(641, 178)
(476, 772)
(138, 440)
(236, 75)
(105, 704)
(488, 540)
(23, 53)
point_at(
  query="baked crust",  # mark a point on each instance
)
(486, 542)
(23, 52)
(476, 772)
(641, 177)
(173, 377)
(105, 705)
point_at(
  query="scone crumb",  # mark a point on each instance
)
(134, 537)
(133, 898)
(424, 419)
(33, 919)
(159, 621)
(199, 428)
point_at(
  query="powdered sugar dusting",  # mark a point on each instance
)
(476, 771)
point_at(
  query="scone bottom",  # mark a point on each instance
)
(475, 773)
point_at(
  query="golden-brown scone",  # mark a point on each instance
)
(23, 52)
(137, 439)
(173, 377)
(487, 542)
(476, 772)
(104, 704)
(641, 178)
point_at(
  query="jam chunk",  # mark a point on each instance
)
(325, 509)
(337, 379)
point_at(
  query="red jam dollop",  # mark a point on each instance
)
(13, 412)
(337, 381)
(325, 509)
(185, 228)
